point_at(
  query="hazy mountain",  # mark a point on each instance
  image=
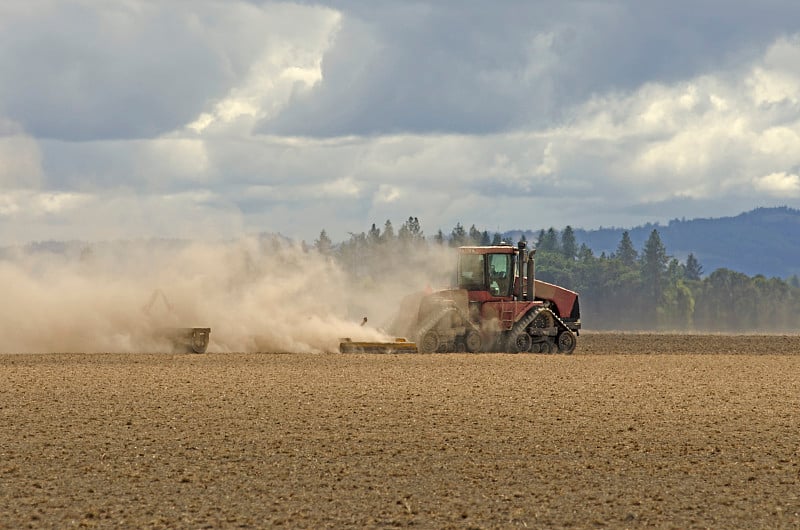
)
(762, 241)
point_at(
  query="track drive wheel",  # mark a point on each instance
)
(429, 342)
(547, 347)
(473, 341)
(566, 342)
(520, 343)
(543, 320)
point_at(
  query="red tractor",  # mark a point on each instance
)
(497, 306)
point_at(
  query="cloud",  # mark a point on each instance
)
(387, 194)
(343, 187)
(135, 69)
(778, 184)
(447, 67)
(146, 118)
(195, 214)
(288, 64)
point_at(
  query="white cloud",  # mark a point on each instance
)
(387, 194)
(777, 78)
(289, 62)
(778, 184)
(411, 109)
(769, 86)
(343, 187)
(31, 205)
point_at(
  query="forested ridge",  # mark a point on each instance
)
(629, 288)
(761, 241)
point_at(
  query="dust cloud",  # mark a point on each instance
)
(255, 294)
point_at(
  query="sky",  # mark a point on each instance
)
(211, 119)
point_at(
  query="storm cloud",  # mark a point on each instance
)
(136, 118)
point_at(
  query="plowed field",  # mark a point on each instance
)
(634, 431)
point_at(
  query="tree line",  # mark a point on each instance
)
(629, 289)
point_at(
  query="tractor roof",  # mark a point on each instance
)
(496, 249)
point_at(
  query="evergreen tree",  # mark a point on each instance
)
(485, 241)
(474, 236)
(585, 254)
(549, 241)
(540, 240)
(497, 239)
(569, 246)
(439, 237)
(374, 235)
(654, 267)
(675, 271)
(458, 236)
(625, 251)
(693, 268)
(323, 244)
(404, 235)
(388, 232)
(411, 232)
(415, 229)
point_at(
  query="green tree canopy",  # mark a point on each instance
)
(458, 236)
(625, 251)
(569, 246)
(693, 268)
(548, 241)
(475, 236)
(654, 266)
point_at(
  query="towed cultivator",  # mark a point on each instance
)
(181, 340)
(186, 340)
(398, 346)
(498, 306)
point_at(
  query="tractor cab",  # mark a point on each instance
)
(489, 270)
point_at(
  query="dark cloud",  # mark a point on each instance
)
(79, 73)
(131, 115)
(482, 67)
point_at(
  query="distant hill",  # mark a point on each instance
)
(762, 241)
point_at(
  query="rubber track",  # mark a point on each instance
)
(526, 321)
(522, 326)
(430, 322)
(564, 327)
(434, 319)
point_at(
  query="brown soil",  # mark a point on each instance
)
(631, 431)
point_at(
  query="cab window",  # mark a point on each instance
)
(471, 273)
(499, 274)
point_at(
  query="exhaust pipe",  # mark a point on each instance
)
(520, 269)
(531, 287)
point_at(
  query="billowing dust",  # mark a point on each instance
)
(255, 294)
